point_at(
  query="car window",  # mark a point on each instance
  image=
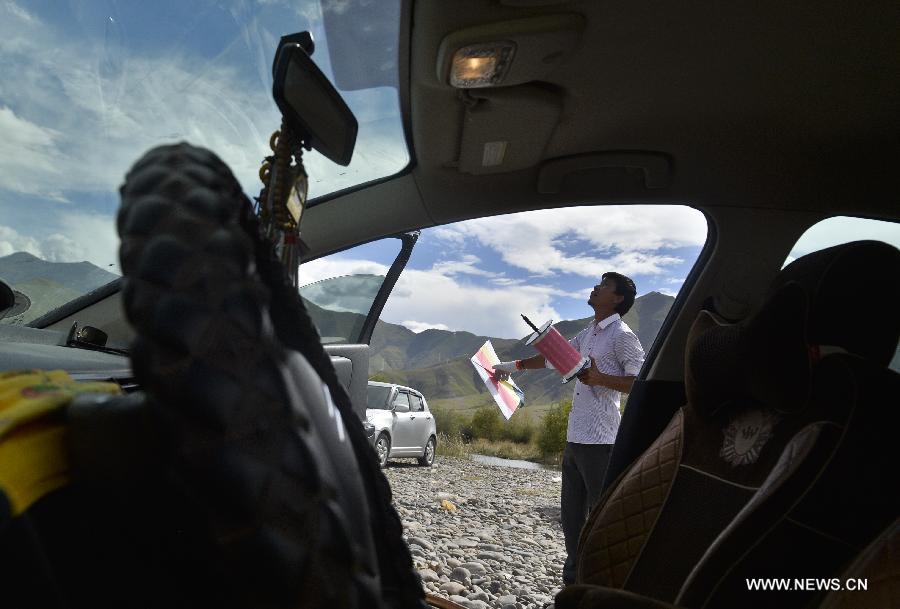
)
(401, 402)
(844, 229)
(416, 403)
(469, 282)
(339, 290)
(377, 397)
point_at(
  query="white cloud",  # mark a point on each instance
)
(675, 280)
(625, 238)
(30, 161)
(330, 266)
(668, 292)
(419, 326)
(11, 242)
(82, 236)
(18, 12)
(436, 299)
(93, 238)
(467, 265)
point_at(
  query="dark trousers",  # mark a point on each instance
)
(583, 468)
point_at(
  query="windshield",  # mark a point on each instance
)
(88, 87)
(377, 397)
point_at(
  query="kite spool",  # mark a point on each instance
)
(564, 358)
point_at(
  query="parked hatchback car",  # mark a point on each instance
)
(404, 426)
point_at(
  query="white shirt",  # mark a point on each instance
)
(595, 418)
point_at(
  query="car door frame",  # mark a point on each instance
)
(352, 357)
(421, 422)
(401, 427)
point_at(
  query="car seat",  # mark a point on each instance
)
(760, 394)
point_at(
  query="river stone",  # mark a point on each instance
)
(475, 568)
(463, 542)
(462, 576)
(513, 530)
(453, 588)
(428, 575)
(509, 599)
(421, 542)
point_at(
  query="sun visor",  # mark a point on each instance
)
(507, 129)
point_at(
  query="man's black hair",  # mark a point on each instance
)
(624, 287)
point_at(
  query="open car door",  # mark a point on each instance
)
(345, 310)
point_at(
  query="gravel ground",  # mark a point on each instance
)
(483, 536)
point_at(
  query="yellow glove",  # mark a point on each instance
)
(33, 453)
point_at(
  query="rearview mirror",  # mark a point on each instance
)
(312, 107)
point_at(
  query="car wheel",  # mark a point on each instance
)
(383, 448)
(428, 457)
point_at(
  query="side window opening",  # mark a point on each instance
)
(416, 404)
(844, 229)
(468, 282)
(340, 290)
(401, 402)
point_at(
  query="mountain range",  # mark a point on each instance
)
(436, 362)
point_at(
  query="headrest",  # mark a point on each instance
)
(854, 297)
(764, 357)
(845, 296)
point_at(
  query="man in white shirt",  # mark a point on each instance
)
(616, 357)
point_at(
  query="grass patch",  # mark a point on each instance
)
(505, 449)
(455, 446)
(451, 446)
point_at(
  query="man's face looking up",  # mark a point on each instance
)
(603, 298)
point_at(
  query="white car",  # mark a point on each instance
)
(404, 427)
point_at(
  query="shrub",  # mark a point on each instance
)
(451, 423)
(487, 423)
(518, 429)
(552, 436)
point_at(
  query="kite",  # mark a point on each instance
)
(506, 393)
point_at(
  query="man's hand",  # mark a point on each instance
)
(594, 378)
(503, 370)
(591, 376)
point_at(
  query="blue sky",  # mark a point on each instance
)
(87, 87)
